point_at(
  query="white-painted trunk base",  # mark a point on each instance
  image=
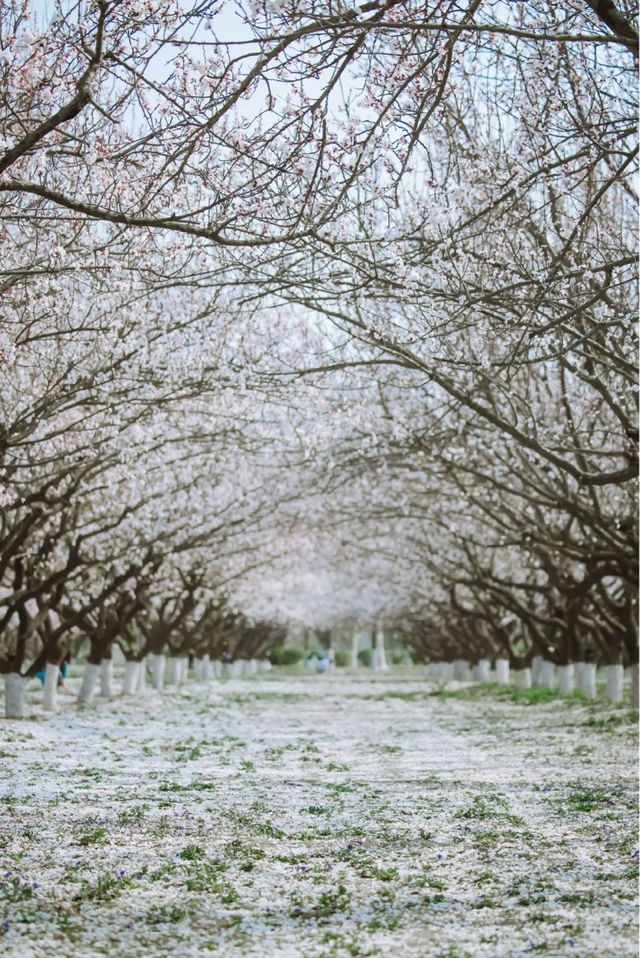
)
(89, 682)
(217, 668)
(379, 655)
(461, 670)
(184, 666)
(502, 671)
(482, 670)
(548, 675)
(15, 696)
(354, 650)
(118, 655)
(615, 683)
(106, 678)
(131, 671)
(566, 679)
(522, 678)
(158, 663)
(536, 669)
(141, 687)
(175, 671)
(635, 688)
(50, 698)
(588, 680)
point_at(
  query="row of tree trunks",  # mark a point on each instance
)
(567, 679)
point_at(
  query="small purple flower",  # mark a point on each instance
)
(635, 854)
(569, 941)
(5, 926)
(301, 868)
(129, 924)
(439, 856)
(35, 884)
(350, 847)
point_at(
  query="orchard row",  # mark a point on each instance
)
(334, 327)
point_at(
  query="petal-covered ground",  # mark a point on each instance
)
(334, 815)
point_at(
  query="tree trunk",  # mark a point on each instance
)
(566, 679)
(158, 663)
(548, 675)
(461, 670)
(379, 656)
(536, 670)
(481, 673)
(502, 671)
(131, 672)
(142, 677)
(522, 678)
(588, 679)
(106, 678)
(50, 699)
(118, 655)
(634, 686)
(15, 696)
(89, 680)
(355, 637)
(615, 683)
(175, 671)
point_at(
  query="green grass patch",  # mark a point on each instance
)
(97, 836)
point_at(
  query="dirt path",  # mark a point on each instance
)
(318, 816)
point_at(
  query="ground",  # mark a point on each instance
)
(334, 815)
